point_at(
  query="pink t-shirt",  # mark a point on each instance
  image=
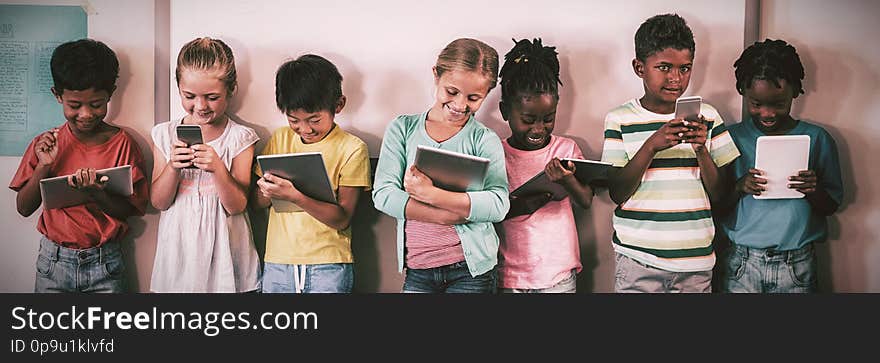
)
(538, 250)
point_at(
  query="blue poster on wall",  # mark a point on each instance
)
(28, 35)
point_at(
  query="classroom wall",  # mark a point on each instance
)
(385, 50)
(837, 42)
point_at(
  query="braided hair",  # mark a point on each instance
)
(770, 60)
(529, 68)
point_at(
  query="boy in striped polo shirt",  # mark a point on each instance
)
(671, 170)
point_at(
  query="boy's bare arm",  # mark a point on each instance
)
(807, 182)
(28, 198)
(713, 178)
(114, 205)
(336, 216)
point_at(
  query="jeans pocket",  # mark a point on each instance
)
(736, 265)
(803, 272)
(114, 269)
(45, 266)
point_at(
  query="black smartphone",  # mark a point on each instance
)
(191, 135)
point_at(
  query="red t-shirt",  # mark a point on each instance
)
(86, 225)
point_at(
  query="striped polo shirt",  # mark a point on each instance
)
(667, 222)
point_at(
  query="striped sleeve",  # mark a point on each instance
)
(613, 150)
(721, 145)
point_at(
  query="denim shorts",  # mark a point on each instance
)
(90, 270)
(280, 278)
(454, 278)
(753, 270)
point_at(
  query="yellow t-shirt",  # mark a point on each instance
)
(297, 237)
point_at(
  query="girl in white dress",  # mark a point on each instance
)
(205, 242)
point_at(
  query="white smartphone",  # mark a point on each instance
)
(688, 108)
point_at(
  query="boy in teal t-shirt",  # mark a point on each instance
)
(773, 238)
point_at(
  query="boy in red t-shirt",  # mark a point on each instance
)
(79, 250)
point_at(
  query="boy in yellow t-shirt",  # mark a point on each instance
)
(310, 251)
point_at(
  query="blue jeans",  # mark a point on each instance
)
(454, 278)
(96, 269)
(279, 278)
(752, 270)
(568, 285)
(634, 276)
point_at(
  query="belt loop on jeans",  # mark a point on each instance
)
(56, 250)
(101, 254)
(745, 251)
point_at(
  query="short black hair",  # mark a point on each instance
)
(82, 64)
(310, 83)
(770, 60)
(660, 32)
(530, 67)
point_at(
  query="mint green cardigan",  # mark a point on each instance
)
(489, 202)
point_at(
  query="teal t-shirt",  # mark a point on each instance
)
(783, 224)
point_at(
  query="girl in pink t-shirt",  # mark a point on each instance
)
(539, 250)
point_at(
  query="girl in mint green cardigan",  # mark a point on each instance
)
(446, 239)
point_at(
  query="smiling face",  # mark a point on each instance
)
(459, 94)
(665, 76)
(532, 119)
(84, 110)
(769, 106)
(314, 126)
(203, 96)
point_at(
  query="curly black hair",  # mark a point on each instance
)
(663, 31)
(770, 60)
(530, 67)
(82, 64)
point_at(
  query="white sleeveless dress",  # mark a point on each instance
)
(201, 248)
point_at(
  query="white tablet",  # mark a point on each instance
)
(451, 170)
(56, 193)
(306, 171)
(781, 157)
